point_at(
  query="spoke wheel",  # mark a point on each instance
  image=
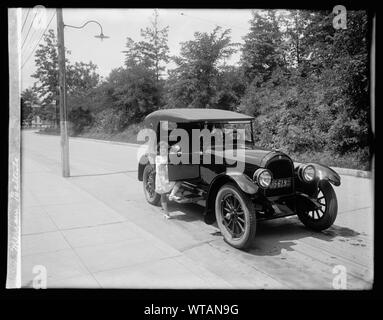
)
(235, 216)
(149, 184)
(324, 216)
(319, 212)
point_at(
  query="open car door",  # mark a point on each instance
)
(180, 161)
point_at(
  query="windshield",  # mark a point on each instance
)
(231, 131)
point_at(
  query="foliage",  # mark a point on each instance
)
(195, 81)
(316, 96)
(80, 78)
(27, 100)
(305, 82)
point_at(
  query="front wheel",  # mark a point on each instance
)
(149, 180)
(324, 216)
(235, 214)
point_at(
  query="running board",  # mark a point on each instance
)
(189, 198)
(280, 212)
(192, 188)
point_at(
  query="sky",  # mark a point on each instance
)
(119, 24)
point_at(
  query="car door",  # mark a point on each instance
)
(185, 170)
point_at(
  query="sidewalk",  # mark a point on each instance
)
(84, 243)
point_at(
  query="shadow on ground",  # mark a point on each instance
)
(273, 236)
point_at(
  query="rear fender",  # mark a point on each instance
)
(144, 160)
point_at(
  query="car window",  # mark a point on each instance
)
(231, 129)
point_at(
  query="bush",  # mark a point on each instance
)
(110, 121)
(80, 120)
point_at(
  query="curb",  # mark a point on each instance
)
(130, 144)
(343, 171)
(354, 173)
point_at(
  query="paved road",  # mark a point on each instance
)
(285, 255)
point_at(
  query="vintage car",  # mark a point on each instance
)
(268, 186)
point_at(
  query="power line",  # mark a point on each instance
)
(33, 41)
(39, 40)
(46, 28)
(26, 18)
(216, 23)
(35, 29)
(30, 27)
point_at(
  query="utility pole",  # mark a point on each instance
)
(62, 86)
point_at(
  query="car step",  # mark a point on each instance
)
(280, 211)
(189, 198)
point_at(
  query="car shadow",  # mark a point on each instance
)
(273, 237)
(188, 212)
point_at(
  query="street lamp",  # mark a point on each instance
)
(100, 36)
(62, 86)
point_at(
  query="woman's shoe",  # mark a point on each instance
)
(174, 198)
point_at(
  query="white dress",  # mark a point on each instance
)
(163, 185)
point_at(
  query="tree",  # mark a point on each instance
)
(126, 96)
(28, 99)
(231, 86)
(263, 50)
(153, 51)
(138, 89)
(46, 59)
(155, 48)
(195, 80)
(80, 77)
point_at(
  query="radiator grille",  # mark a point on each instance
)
(281, 169)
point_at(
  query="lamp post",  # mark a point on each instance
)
(62, 86)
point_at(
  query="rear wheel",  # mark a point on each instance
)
(149, 180)
(324, 216)
(235, 214)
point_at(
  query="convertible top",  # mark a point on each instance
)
(182, 115)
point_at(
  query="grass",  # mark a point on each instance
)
(128, 135)
(350, 161)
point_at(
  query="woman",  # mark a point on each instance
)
(163, 185)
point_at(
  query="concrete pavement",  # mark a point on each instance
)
(95, 229)
(83, 243)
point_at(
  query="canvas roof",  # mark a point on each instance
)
(180, 115)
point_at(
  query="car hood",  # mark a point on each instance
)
(256, 157)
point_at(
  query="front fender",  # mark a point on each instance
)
(326, 173)
(244, 182)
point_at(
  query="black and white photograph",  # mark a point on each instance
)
(191, 148)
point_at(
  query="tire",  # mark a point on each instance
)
(238, 230)
(324, 217)
(149, 180)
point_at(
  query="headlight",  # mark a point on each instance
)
(307, 173)
(263, 177)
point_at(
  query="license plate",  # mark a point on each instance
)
(280, 183)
